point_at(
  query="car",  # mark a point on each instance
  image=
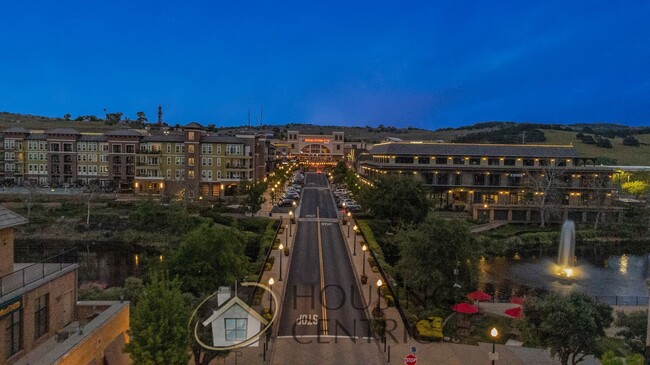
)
(294, 196)
(285, 203)
(353, 208)
(345, 202)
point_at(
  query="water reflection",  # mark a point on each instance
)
(613, 275)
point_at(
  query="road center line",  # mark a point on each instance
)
(322, 275)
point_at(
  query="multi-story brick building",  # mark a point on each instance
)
(190, 161)
(41, 321)
(502, 182)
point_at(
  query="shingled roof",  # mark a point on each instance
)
(194, 125)
(16, 130)
(465, 149)
(220, 139)
(123, 133)
(66, 131)
(10, 219)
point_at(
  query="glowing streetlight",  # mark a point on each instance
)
(281, 247)
(494, 333)
(349, 221)
(290, 221)
(379, 284)
(354, 253)
(271, 282)
(364, 248)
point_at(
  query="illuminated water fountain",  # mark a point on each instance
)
(566, 251)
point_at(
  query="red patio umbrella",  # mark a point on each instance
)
(464, 308)
(517, 300)
(479, 295)
(516, 312)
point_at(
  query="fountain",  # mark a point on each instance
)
(566, 250)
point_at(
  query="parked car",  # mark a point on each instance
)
(285, 203)
(353, 208)
(294, 196)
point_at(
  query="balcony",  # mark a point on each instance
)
(27, 276)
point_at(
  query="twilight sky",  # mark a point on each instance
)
(429, 64)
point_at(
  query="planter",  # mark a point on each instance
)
(286, 251)
(364, 279)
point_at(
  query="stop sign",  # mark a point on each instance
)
(410, 359)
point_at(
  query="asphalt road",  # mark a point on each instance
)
(321, 295)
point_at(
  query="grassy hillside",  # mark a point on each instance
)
(624, 155)
(34, 122)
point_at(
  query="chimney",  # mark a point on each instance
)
(223, 294)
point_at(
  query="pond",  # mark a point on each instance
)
(617, 278)
(106, 262)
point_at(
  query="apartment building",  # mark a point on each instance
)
(502, 182)
(189, 161)
(41, 321)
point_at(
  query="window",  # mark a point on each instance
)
(190, 174)
(218, 149)
(236, 329)
(41, 316)
(190, 148)
(130, 148)
(190, 136)
(219, 162)
(424, 160)
(441, 160)
(459, 161)
(169, 148)
(117, 148)
(53, 146)
(402, 159)
(14, 333)
(177, 148)
(190, 161)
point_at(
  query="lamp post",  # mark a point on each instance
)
(494, 333)
(349, 221)
(354, 253)
(290, 223)
(271, 281)
(281, 247)
(286, 234)
(364, 248)
(379, 284)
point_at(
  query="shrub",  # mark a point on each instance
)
(390, 301)
(375, 269)
(428, 330)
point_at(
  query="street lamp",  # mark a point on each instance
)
(271, 281)
(494, 333)
(355, 240)
(286, 234)
(290, 221)
(349, 221)
(379, 284)
(294, 204)
(364, 248)
(281, 247)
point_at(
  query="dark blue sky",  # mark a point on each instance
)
(428, 64)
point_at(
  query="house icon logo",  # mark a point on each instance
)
(233, 323)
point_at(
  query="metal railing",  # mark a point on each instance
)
(37, 271)
(623, 300)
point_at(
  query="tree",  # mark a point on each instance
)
(254, 196)
(113, 118)
(209, 257)
(599, 197)
(634, 326)
(67, 117)
(29, 197)
(339, 172)
(604, 143)
(141, 117)
(631, 141)
(546, 188)
(430, 253)
(399, 198)
(571, 326)
(91, 193)
(159, 334)
(637, 188)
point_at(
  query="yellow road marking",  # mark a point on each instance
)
(322, 275)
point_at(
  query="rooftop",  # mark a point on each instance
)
(466, 149)
(10, 219)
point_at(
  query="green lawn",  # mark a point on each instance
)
(624, 155)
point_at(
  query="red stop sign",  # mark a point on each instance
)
(410, 359)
